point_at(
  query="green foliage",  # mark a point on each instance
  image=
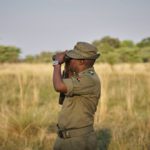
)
(107, 41)
(144, 43)
(112, 51)
(44, 57)
(127, 54)
(145, 54)
(110, 57)
(9, 54)
(127, 43)
(29, 58)
(115, 51)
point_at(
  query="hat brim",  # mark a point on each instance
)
(73, 54)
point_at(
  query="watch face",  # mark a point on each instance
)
(55, 62)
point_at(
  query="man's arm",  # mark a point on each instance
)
(57, 77)
(57, 80)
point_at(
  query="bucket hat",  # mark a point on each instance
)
(83, 50)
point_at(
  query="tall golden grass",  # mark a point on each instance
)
(29, 107)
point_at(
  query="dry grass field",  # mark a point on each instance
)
(29, 107)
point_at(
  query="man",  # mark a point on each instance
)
(82, 93)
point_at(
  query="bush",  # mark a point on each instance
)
(9, 54)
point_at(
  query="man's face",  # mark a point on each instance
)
(74, 65)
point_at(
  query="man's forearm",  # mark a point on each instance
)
(57, 80)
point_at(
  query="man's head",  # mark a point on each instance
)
(83, 50)
(82, 56)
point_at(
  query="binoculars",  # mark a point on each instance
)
(66, 58)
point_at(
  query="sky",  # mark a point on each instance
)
(52, 25)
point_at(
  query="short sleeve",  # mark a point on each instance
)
(69, 84)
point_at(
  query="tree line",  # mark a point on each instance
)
(112, 51)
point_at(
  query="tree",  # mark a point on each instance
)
(29, 59)
(43, 57)
(109, 41)
(127, 54)
(107, 46)
(127, 43)
(9, 54)
(144, 43)
(144, 54)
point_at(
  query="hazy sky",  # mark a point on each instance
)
(49, 25)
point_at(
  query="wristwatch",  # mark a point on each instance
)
(56, 62)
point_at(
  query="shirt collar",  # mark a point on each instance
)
(86, 70)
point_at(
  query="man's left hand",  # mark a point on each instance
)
(60, 56)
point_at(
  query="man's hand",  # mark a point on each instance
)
(60, 56)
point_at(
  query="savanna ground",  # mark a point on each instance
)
(29, 107)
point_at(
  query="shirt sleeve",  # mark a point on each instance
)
(79, 86)
(69, 84)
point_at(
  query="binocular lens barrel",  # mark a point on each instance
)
(65, 59)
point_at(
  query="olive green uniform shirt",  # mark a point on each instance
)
(79, 106)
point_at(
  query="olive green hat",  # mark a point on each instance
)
(83, 50)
